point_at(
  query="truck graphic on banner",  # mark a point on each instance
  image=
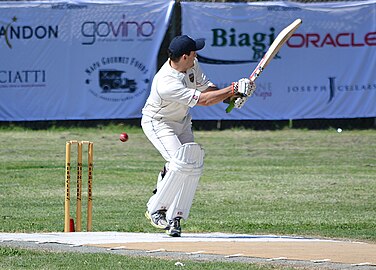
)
(112, 80)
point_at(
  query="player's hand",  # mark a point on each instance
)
(240, 101)
(243, 88)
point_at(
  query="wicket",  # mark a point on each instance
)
(79, 185)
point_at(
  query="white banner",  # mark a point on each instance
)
(326, 70)
(78, 59)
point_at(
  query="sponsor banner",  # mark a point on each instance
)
(326, 69)
(78, 60)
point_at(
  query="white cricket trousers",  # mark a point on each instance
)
(167, 136)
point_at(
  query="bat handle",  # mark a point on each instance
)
(231, 105)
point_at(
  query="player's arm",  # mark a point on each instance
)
(211, 88)
(212, 95)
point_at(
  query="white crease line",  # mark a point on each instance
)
(321, 261)
(155, 250)
(234, 255)
(117, 248)
(195, 252)
(277, 259)
(362, 264)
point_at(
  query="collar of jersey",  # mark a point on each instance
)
(178, 74)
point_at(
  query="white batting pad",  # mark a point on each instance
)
(175, 193)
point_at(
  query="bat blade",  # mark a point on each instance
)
(277, 44)
(274, 48)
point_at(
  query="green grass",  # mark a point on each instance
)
(294, 182)
(11, 258)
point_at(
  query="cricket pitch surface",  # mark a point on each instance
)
(322, 253)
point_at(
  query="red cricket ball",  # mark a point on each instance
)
(123, 137)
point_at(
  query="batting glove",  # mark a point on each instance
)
(244, 87)
(240, 101)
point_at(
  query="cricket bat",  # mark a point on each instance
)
(277, 44)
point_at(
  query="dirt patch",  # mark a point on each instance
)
(294, 251)
(340, 252)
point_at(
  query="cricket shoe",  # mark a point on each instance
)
(175, 229)
(158, 219)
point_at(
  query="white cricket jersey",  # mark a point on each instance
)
(173, 93)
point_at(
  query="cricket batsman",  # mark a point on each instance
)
(178, 86)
